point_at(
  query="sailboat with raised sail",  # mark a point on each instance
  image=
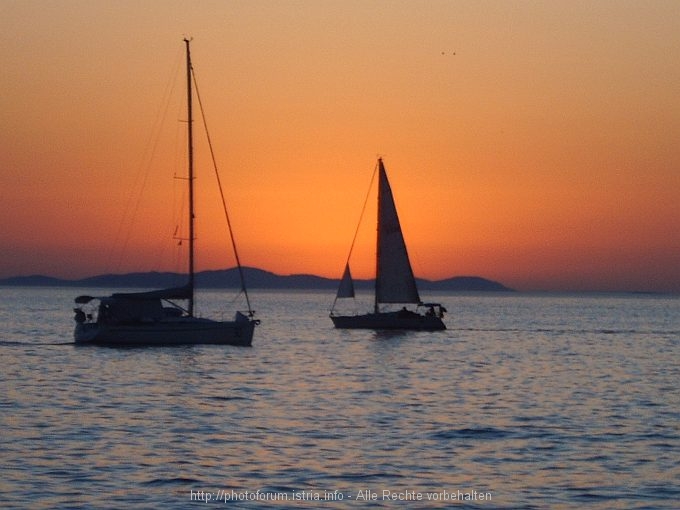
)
(394, 280)
(156, 317)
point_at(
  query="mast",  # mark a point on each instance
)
(190, 151)
(381, 171)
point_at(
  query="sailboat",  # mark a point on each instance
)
(394, 281)
(157, 317)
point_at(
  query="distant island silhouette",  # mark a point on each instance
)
(229, 278)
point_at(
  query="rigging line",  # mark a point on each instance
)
(363, 210)
(361, 217)
(224, 203)
(180, 201)
(130, 212)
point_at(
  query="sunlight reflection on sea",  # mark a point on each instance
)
(540, 400)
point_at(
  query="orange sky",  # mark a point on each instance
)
(535, 143)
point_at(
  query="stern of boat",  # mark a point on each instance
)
(85, 332)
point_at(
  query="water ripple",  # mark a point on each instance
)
(544, 402)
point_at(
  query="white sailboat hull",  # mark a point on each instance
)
(389, 320)
(179, 331)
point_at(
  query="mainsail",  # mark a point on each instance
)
(395, 282)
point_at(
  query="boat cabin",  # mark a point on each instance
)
(134, 307)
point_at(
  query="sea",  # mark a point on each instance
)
(526, 401)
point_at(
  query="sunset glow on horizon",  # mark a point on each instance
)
(532, 143)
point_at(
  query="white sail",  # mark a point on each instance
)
(346, 289)
(395, 282)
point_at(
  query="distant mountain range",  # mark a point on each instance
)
(255, 279)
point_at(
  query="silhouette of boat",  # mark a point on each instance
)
(155, 317)
(394, 281)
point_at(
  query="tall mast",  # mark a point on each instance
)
(190, 141)
(381, 170)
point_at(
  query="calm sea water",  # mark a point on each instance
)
(526, 401)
